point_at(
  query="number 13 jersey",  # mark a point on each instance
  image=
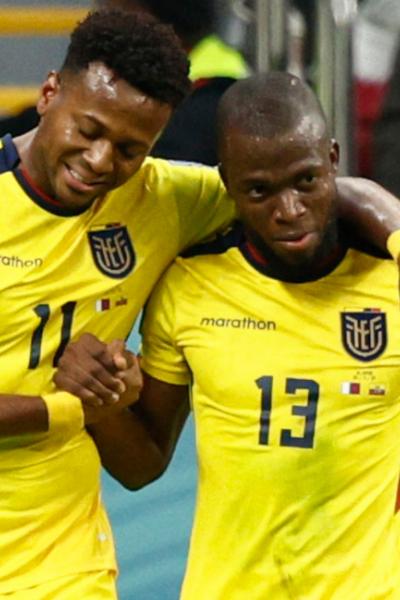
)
(296, 405)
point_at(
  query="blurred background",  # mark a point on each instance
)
(348, 51)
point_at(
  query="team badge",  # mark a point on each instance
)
(112, 251)
(364, 333)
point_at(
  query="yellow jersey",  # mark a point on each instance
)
(295, 393)
(63, 273)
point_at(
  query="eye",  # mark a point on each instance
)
(258, 191)
(307, 181)
(87, 133)
(127, 153)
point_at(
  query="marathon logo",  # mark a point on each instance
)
(243, 323)
(19, 263)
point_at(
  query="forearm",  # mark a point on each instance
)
(127, 449)
(373, 211)
(52, 412)
(22, 414)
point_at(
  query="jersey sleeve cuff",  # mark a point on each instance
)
(165, 376)
(393, 244)
(65, 412)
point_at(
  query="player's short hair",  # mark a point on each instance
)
(270, 104)
(145, 53)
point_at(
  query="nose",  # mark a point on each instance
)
(288, 208)
(100, 157)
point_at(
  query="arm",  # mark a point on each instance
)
(22, 414)
(135, 444)
(56, 411)
(372, 210)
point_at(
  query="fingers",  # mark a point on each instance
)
(116, 347)
(87, 370)
(133, 379)
(92, 384)
(120, 355)
(87, 397)
(89, 345)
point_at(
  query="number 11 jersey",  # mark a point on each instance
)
(63, 273)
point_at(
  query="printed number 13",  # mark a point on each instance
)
(308, 411)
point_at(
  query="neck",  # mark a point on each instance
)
(23, 144)
(326, 258)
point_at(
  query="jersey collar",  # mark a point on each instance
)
(12, 162)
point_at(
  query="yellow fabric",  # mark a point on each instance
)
(64, 411)
(211, 57)
(95, 585)
(393, 244)
(52, 521)
(297, 476)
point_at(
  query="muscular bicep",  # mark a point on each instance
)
(136, 445)
(370, 209)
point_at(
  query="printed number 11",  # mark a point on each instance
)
(43, 312)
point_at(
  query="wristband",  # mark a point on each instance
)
(393, 244)
(65, 412)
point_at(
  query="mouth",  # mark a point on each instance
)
(82, 183)
(295, 241)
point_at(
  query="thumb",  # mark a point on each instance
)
(117, 350)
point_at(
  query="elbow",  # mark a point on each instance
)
(134, 484)
(135, 477)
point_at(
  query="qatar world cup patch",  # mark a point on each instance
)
(112, 251)
(364, 333)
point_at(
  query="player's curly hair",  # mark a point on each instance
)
(142, 51)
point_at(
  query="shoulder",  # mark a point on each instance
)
(176, 177)
(201, 260)
(217, 244)
(9, 157)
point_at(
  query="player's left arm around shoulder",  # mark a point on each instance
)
(373, 211)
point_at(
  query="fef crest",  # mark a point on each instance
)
(364, 333)
(112, 251)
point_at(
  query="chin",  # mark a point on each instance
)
(298, 259)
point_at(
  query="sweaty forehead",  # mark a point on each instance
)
(270, 123)
(97, 79)
(99, 86)
(252, 142)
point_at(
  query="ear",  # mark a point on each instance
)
(334, 154)
(49, 90)
(222, 174)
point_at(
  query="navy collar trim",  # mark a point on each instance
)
(12, 162)
(252, 256)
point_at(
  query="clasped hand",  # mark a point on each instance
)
(106, 377)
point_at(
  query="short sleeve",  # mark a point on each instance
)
(161, 356)
(203, 205)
